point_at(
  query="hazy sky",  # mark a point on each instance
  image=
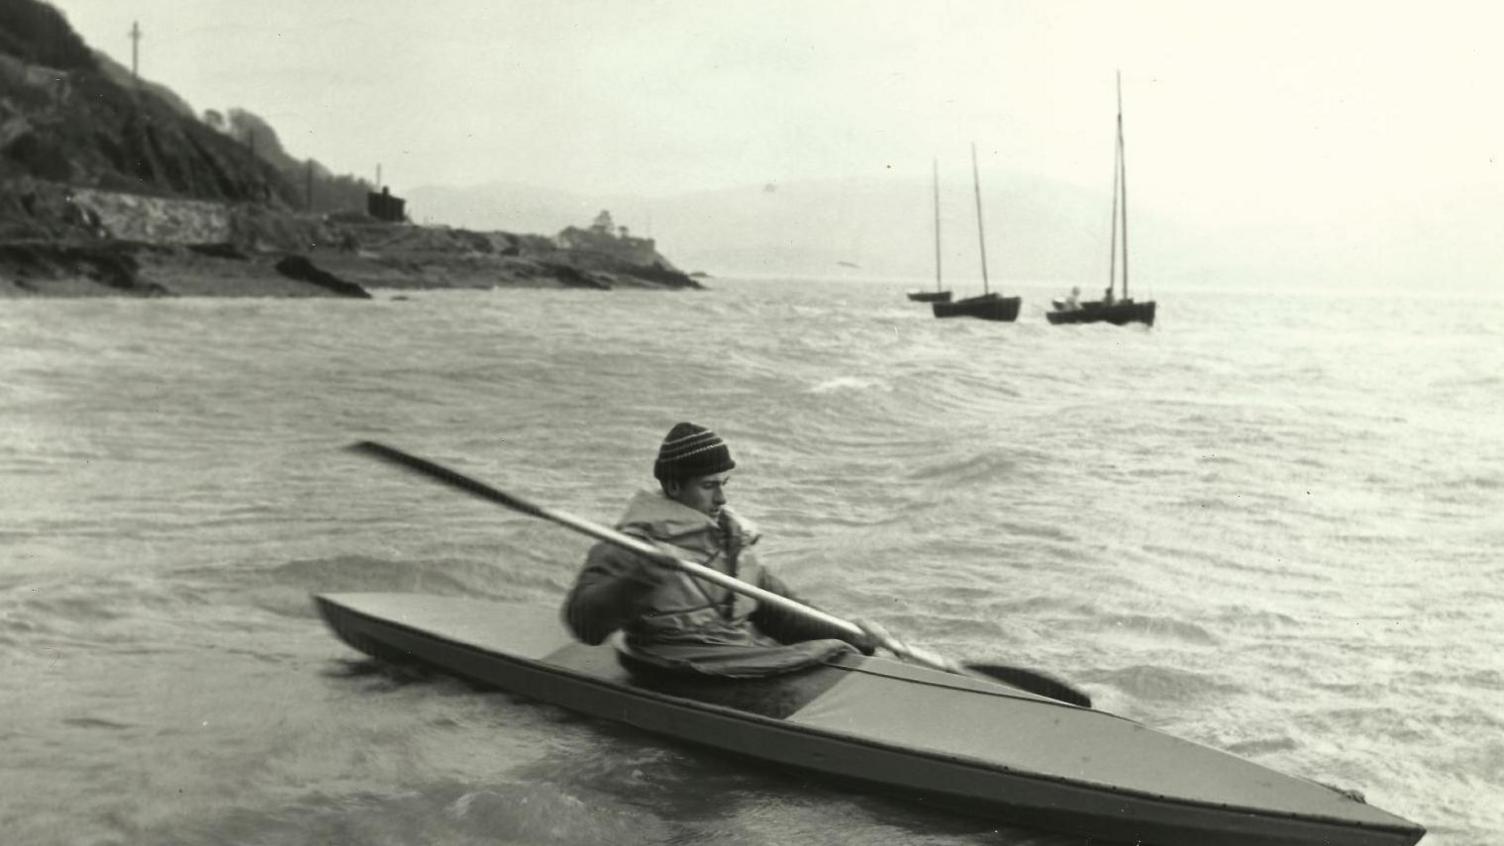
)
(1249, 111)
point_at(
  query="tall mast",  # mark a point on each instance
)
(1123, 181)
(935, 169)
(976, 182)
(1112, 222)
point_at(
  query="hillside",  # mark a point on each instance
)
(113, 186)
(62, 119)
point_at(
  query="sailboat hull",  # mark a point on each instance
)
(984, 307)
(929, 296)
(1118, 314)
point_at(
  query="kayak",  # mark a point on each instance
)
(973, 744)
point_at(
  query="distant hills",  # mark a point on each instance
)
(1037, 230)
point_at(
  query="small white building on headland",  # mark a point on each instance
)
(604, 236)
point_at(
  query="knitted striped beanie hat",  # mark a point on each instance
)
(689, 451)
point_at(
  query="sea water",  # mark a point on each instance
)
(1271, 524)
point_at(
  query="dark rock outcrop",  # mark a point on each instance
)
(300, 268)
(112, 265)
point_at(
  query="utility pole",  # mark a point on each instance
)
(378, 177)
(135, 51)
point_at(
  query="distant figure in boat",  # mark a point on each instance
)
(1073, 301)
(1110, 309)
(673, 622)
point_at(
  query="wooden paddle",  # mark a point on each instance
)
(1030, 680)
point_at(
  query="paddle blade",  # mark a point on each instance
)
(1033, 681)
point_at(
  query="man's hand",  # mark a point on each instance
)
(873, 636)
(881, 637)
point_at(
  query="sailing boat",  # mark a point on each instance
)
(939, 295)
(988, 305)
(1110, 309)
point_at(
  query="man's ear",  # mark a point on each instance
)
(670, 487)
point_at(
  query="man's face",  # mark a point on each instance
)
(705, 494)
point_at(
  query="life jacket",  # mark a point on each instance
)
(682, 607)
(690, 624)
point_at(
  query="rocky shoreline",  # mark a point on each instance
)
(63, 242)
(113, 268)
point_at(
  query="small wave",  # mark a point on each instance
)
(1484, 679)
(76, 608)
(985, 465)
(1042, 531)
(1492, 482)
(95, 723)
(849, 383)
(533, 814)
(1207, 503)
(466, 577)
(384, 676)
(53, 609)
(1164, 628)
(1243, 616)
(542, 813)
(1162, 683)
(1262, 746)
(356, 572)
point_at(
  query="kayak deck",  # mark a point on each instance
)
(968, 742)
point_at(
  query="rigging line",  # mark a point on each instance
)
(935, 167)
(1112, 253)
(981, 238)
(1123, 169)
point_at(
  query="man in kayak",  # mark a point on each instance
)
(673, 621)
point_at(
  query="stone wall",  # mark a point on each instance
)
(155, 220)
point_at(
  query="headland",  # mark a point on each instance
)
(112, 186)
